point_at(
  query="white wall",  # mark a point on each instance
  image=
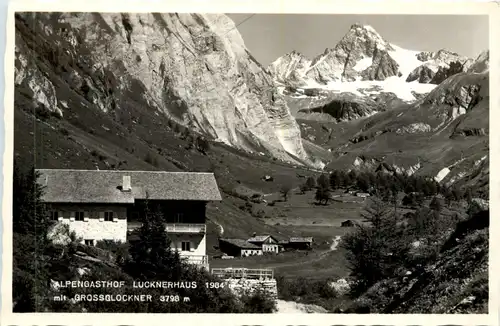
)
(269, 247)
(250, 252)
(198, 243)
(94, 227)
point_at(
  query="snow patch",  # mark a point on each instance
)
(335, 243)
(357, 162)
(363, 64)
(480, 160)
(456, 178)
(398, 86)
(457, 111)
(406, 59)
(414, 128)
(442, 174)
(294, 307)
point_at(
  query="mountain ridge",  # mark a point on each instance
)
(363, 59)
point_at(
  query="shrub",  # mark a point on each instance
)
(258, 302)
(307, 291)
(64, 131)
(151, 159)
(436, 204)
(323, 181)
(322, 195)
(42, 113)
(311, 182)
(118, 249)
(202, 145)
(285, 191)
(376, 250)
(304, 188)
(260, 213)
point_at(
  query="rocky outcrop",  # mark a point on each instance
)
(193, 68)
(438, 66)
(414, 128)
(422, 74)
(425, 55)
(289, 68)
(461, 97)
(383, 67)
(346, 106)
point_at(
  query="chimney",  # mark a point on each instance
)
(254, 234)
(126, 183)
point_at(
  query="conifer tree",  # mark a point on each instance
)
(151, 256)
(30, 226)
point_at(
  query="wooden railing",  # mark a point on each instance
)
(186, 228)
(195, 259)
(230, 272)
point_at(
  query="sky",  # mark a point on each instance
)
(269, 36)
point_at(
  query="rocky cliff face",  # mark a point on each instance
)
(438, 66)
(362, 52)
(192, 68)
(289, 68)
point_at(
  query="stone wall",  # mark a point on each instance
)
(240, 286)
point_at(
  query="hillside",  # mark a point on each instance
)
(190, 68)
(456, 281)
(446, 129)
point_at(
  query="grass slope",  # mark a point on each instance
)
(379, 137)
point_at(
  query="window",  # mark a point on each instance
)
(108, 216)
(179, 217)
(186, 246)
(54, 216)
(89, 242)
(79, 216)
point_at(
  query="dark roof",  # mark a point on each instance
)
(104, 186)
(301, 239)
(240, 243)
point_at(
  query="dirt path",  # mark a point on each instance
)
(335, 243)
(221, 228)
(294, 307)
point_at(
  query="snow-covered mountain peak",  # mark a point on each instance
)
(288, 68)
(364, 62)
(364, 33)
